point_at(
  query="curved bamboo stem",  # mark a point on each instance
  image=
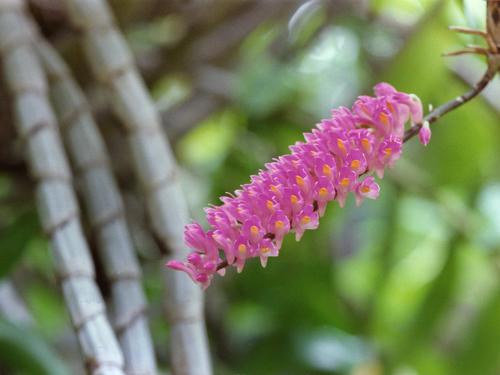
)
(58, 207)
(112, 63)
(106, 212)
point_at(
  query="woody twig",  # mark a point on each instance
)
(492, 54)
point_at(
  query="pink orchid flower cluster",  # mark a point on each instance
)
(291, 194)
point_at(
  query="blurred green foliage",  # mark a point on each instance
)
(25, 352)
(14, 239)
(405, 285)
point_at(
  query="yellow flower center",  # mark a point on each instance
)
(341, 146)
(355, 164)
(365, 189)
(279, 225)
(305, 220)
(269, 205)
(384, 119)
(294, 199)
(323, 193)
(390, 106)
(242, 249)
(345, 182)
(300, 181)
(254, 230)
(327, 171)
(365, 143)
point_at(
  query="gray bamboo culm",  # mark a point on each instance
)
(112, 63)
(57, 205)
(106, 213)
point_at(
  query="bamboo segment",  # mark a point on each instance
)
(57, 204)
(106, 212)
(111, 62)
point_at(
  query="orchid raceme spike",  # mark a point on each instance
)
(292, 192)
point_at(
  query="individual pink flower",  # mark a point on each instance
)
(307, 218)
(424, 135)
(292, 192)
(345, 183)
(324, 192)
(367, 188)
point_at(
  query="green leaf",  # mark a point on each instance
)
(23, 350)
(14, 239)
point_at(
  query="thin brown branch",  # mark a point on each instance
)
(492, 37)
(488, 39)
(468, 50)
(466, 30)
(440, 111)
(469, 70)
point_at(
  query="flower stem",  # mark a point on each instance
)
(440, 111)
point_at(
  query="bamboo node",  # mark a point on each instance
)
(29, 89)
(62, 278)
(57, 177)
(116, 73)
(99, 223)
(62, 223)
(124, 276)
(87, 319)
(121, 327)
(179, 318)
(35, 129)
(100, 162)
(165, 182)
(69, 119)
(100, 367)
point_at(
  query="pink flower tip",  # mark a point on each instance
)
(425, 133)
(175, 265)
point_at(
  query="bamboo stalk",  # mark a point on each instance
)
(57, 205)
(112, 63)
(106, 212)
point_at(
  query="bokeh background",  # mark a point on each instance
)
(408, 284)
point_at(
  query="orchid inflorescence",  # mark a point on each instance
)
(291, 193)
